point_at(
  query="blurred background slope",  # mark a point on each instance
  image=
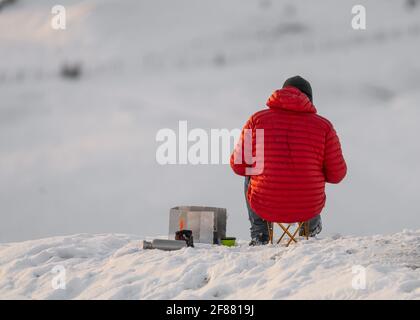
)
(80, 107)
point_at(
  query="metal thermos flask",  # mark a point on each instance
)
(162, 244)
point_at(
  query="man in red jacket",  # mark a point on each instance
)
(301, 152)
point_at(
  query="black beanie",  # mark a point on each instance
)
(301, 84)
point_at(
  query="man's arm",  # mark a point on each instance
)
(237, 159)
(335, 167)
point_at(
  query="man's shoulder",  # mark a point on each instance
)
(316, 117)
(257, 116)
(322, 121)
(260, 113)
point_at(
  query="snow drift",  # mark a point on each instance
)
(114, 266)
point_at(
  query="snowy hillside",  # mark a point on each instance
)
(115, 267)
(79, 156)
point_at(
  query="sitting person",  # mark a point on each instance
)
(301, 152)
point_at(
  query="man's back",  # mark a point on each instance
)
(301, 153)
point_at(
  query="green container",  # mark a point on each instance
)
(229, 241)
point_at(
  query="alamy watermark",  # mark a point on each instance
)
(358, 281)
(58, 21)
(359, 19)
(59, 281)
(198, 146)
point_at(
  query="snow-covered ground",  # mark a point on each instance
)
(114, 266)
(79, 155)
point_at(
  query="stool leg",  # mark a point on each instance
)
(270, 232)
(292, 236)
(284, 233)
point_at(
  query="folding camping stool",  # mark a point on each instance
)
(286, 231)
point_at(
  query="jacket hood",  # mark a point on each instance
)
(292, 99)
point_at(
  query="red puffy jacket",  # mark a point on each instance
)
(301, 153)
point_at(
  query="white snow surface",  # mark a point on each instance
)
(114, 266)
